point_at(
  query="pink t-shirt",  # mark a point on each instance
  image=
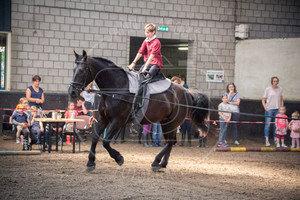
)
(273, 97)
(281, 123)
(295, 126)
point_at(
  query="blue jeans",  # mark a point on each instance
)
(273, 113)
(156, 133)
(223, 131)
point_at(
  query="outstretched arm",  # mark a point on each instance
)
(137, 57)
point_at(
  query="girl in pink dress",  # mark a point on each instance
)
(281, 126)
(294, 126)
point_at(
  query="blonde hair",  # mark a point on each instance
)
(33, 108)
(21, 100)
(296, 114)
(150, 27)
(176, 78)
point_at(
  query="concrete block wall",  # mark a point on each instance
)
(45, 33)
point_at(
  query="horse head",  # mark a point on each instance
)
(81, 75)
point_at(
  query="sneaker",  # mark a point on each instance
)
(292, 146)
(283, 145)
(277, 145)
(40, 147)
(236, 142)
(298, 147)
(224, 145)
(18, 140)
(225, 142)
(268, 144)
(219, 145)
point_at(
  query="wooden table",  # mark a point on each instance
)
(51, 121)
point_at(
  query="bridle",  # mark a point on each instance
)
(81, 85)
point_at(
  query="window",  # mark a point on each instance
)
(174, 55)
(3, 65)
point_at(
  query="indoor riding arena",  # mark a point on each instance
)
(84, 83)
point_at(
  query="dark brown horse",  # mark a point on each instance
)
(169, 108)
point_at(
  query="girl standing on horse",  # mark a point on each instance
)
(152, 55)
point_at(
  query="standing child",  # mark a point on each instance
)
(281, 126)
(294, 126)
(147, 135)
(71, 113)
(203, 134)
(224, 118)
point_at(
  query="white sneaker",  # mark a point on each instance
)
(292, 146)
(236, 142)
(283, 145)
(225, 142)
(298, 147)
(268, 144)
(18, 140)
(277, 145)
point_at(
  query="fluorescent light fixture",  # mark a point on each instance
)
(183, 48)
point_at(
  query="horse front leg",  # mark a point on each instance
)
(92, 155)
(113, 129)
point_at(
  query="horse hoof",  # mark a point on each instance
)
(90, 169)
(90, 166)
(156, 168)
(163, 166)
(120, 160)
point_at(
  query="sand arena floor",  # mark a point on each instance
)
(192, 173)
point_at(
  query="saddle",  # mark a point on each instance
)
(142, 89)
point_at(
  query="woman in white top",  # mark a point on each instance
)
(234, 101)
(271, 102)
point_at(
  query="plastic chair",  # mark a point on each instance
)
(81, 127)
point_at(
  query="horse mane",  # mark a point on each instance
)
(108, 62)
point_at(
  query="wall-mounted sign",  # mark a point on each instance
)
(163, 28)
(215, 76)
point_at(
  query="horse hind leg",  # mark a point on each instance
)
(165, 154)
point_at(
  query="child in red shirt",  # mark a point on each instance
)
(281, 126)
(71, 113)
(152, 55)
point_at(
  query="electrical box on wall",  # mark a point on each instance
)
(241, 31)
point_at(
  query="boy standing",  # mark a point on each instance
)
(151, 49)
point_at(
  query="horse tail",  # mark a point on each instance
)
(200, 108)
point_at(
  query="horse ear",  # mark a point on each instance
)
(84, 54)
(76, 55)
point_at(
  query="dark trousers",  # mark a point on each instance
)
(151, 70)
(186, 128)
(233, 126)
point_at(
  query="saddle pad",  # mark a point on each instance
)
(154, 87)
